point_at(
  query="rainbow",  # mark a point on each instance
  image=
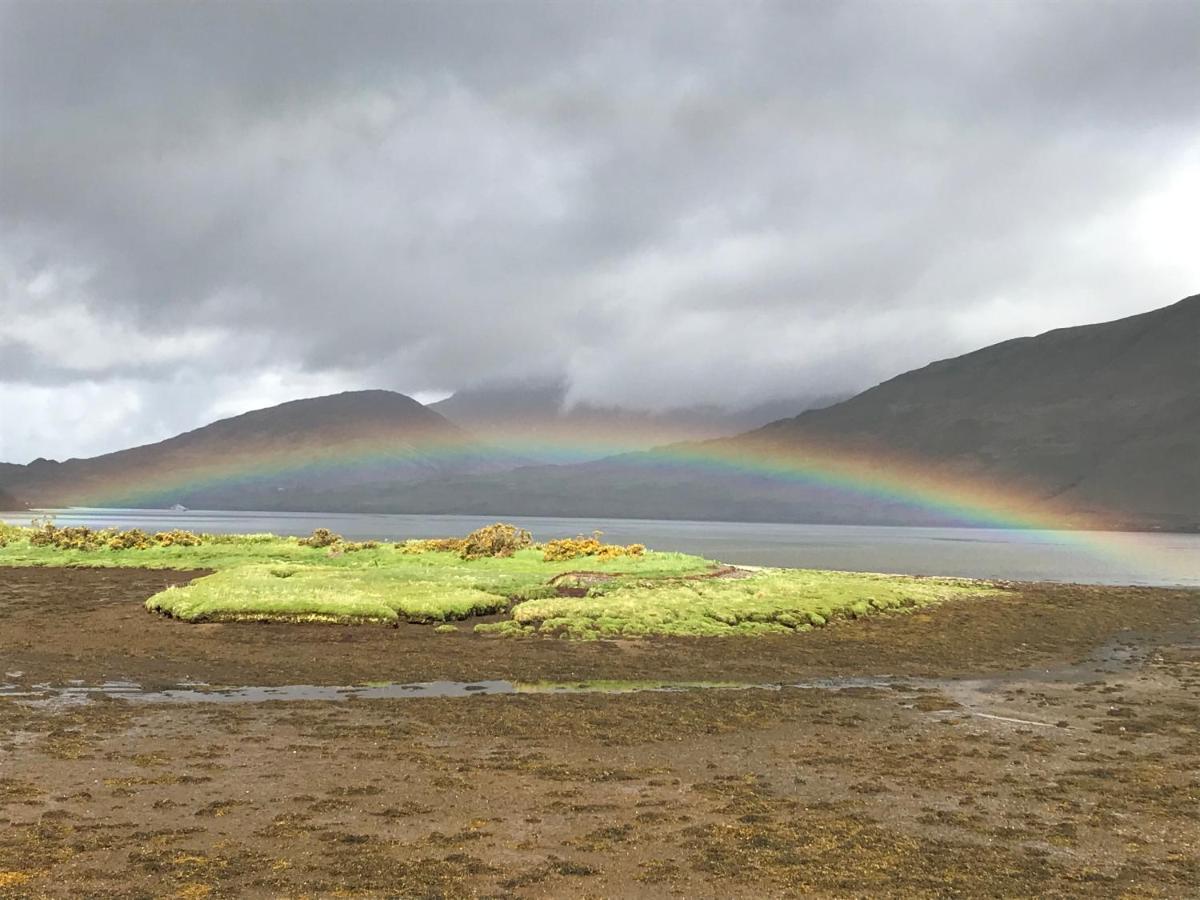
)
(889, 478)
(885, 477)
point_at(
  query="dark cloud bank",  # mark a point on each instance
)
(210, 207)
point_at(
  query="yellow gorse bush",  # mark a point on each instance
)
(81, 537)
(321, 537)
(133, 539)
(178, 538)
(498, 540)
(573, 548)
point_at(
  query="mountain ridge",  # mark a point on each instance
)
(411, 439)
(1101, 421)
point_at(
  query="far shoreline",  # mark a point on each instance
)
(1116, 527)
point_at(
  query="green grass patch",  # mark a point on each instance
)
(316, 593)
(263, 577)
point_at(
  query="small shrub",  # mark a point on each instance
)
(44, 534)
(133, 539)
(573, 548)
(10, 533)
(500, 539)
(321, 537)
(355, 546)
(178, 538)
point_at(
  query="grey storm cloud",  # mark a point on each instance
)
(213, 206)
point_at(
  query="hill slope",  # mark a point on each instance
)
(305, 451)
(1099, 418)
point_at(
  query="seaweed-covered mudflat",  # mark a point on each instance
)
(1040, 740)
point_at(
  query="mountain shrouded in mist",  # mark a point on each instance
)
(535, 419)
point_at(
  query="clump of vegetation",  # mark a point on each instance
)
(499, 540)
(769, 601)
(47, 534)
(321, 537)
(576, 547)
(241, 540)
(83, 538)
(10, 533)
(496, 541)
(133, 539)
(178, 538)
(431, 545)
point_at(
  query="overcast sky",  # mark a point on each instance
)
(211, 207)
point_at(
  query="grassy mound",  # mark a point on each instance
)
(769, 601)
(316, 593)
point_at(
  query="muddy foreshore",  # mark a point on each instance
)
(1046, 742)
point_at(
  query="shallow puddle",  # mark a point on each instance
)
(1107, 659)
(76, 693)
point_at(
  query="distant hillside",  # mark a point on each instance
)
(534, 416)
(1102, 420)
(8, 502)
(315, 448)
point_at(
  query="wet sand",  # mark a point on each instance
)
(1043, 743)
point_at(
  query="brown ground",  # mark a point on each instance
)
(911, 789)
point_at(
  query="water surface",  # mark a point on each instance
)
(1011, 554)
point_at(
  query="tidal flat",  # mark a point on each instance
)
(1043, 741)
